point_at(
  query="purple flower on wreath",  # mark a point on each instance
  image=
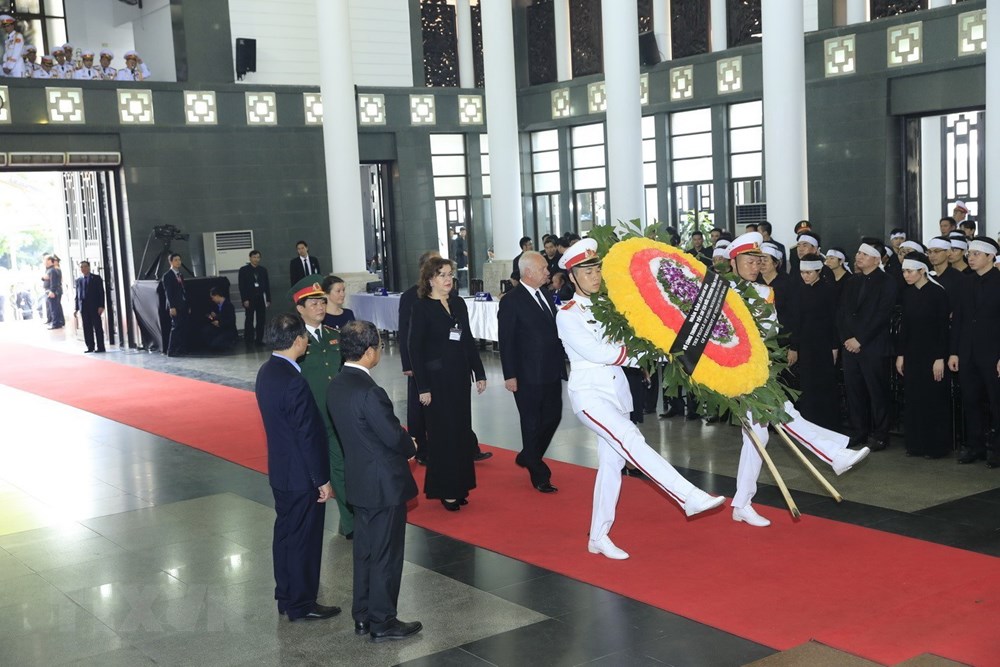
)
(682, 290)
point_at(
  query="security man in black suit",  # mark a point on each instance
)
(219, 333)
(863, 326)
(378, 480)
(975, 353)
(302, 264)
(177, 304)
(90, 306)
(298, 471)
(416, 424)
(534, 365)
(255, 293)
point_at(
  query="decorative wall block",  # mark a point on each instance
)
(135, 107)
(839, 56)
(560, 103)
(313, 105)
(371, 109)
(4, 105)
(262, 109)
(644, 88)
(422, 110)
(729, 75)
(470, 109)
(972, 32)
(199, 107)
(682, 83)
(65, 105)
(597, 97)
(904, 44)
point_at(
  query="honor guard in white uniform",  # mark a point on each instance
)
(48, 69)
(601, 399)
(134, 70)
(108, 72)
(64, 70)
(30, 66)
(73, 61)
(87, 71)
(829, 446)
(12, 65)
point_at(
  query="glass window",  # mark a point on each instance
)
(746, 152)
(547, 182)
(545, 141)
(697, 169)
(591, 156)
(447, 144)
(448, 165)
(746, 140)
(691, 145)
(746, 114)
(588, 135)
(449, 186)
(748, 165)
(589, 179)
(547, 161)
(690, 122)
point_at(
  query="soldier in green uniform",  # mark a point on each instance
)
(321, 363)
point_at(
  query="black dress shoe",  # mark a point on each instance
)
(482, 456)
(691, 416)
(101, 349)
(452, 505)
(463, 501)
(397, 630)
(879, 445)
(712, 420)
(87, 351)
(669, 412)
(361, 628)
(633, 472)
(967, 455)
(545, 487)
(317, 613)
(349, 536)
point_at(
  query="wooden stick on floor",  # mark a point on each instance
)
(807, 463)
(792, 507)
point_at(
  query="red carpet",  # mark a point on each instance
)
(882, 596)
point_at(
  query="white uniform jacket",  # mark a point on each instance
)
(13, 60)
(595, 363)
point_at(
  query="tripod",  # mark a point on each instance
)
(153, 272)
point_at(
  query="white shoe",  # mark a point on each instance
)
(846, 459)
(607, 548)
(749, 515)
(698, 501)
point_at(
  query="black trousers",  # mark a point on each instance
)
(178, 332)
(866, 383)
(297, 548)
(379, 535)
(981, 403)
(58, 319)
(540, 408)
(93, 328)
(256, 312)
(416, 422)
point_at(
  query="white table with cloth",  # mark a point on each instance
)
(383, 312)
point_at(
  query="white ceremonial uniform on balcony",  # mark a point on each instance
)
(13, 46)
(601, 399)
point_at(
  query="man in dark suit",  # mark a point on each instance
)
(379, 483)
(177, 304)
(863, 325)
(90, 306)
(416, 425)
(298, 471)
(219, 333)
(302, 264)
(255, 293)
(533, 362)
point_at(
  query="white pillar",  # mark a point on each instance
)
(340, 137)
(717, 18)
(992, 212)
(931, 190)
(857, 11)
(466, 61)
(661, 28)
(783, 51)
(501, 116)
(564, 46)
(626, 197)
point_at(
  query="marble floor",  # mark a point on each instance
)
(120, 547)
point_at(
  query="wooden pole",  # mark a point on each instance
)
(807, 463)
(793, 508)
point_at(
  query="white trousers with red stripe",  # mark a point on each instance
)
(822, 442)
(618, 440)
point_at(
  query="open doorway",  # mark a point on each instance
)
(375, 201)
(73, 216)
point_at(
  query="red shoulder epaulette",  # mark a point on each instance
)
(568, 304)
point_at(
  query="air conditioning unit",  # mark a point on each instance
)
(750, 214)
(226, 252)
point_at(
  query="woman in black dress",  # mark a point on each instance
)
(444, 358)
(336, 293)
(814, 345)
(923, 348)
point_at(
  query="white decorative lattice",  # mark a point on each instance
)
(65, 105)
(371, 109)
(4, 105)
(838, 56)
(682, 83)
(561, 107)
(135, 107)
(422, 110)
(904, 44)
(262, 109)
(972, 32)
(597, 97)
(199, 107)
(470, 109)
(313, 105)
(729, 75)
(644, 89)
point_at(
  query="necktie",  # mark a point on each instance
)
(305, 266)
(86, 282)
(541, 302)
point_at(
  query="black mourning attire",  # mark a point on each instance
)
(89, 301)
(814, 337)
(416, 424)
(255, 287)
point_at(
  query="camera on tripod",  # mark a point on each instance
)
(169, 232)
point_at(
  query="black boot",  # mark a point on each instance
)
(970, 455)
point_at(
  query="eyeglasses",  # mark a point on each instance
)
(446, 276)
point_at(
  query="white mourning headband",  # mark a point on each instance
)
(811, 265)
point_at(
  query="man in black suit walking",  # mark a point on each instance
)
(298, 471)
(378, 480)
(302, 264)
(177, 304)
(533, 362)
(255, 293)
(90, 306)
